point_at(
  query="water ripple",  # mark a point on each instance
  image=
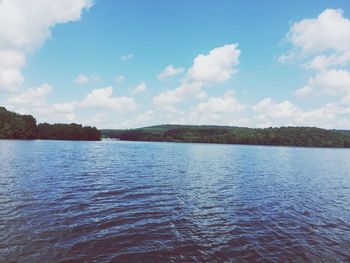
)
(167, 202)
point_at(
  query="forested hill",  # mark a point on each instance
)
(17, 126)
(287, 136)
(346, 132)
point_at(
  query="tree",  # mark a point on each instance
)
(16, 126)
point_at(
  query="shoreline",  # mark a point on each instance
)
(181, 142)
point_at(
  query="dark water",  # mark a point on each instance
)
(168, 202)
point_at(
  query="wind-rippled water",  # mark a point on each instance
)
(171, 202)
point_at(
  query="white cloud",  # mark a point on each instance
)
(10, 64)
(201, 95)
(321, 62)
(24, 27)
(31, 97)
(139, 88)
(103, 98)
(126, 57)
(282, 110)
(11, 59)
(216, 67)
(100, 120)
(323, 41)
(84, 79)
(321, 117)
(108, 120)
(26, 24)
(81, 79)
(119, 79)
(270, 113)
(141, 120)
(169, 72)
(323, 44)
(329, 31)
(176, 95)
(304, 91)
(222, 110)
(34, 101)
(168, 97)
(333, 82)
(226, 104)
(329, 116)
(10, 79)
(286, 57)
(65, 107)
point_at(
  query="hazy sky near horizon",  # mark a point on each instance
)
(125, 64)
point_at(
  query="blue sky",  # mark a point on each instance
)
(124, 64)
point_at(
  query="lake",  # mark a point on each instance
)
(111, 201)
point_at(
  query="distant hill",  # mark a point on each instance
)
(345, 132)
(287, 136)
(17, 126)
(157, 129)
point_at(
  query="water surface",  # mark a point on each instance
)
(105, 201)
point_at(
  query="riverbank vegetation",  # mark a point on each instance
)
(284, 136)
(17, 126)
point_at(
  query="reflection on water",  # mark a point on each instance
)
(136, 202)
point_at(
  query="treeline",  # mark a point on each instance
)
(72, 131)
(284, 136)
(17, 126)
